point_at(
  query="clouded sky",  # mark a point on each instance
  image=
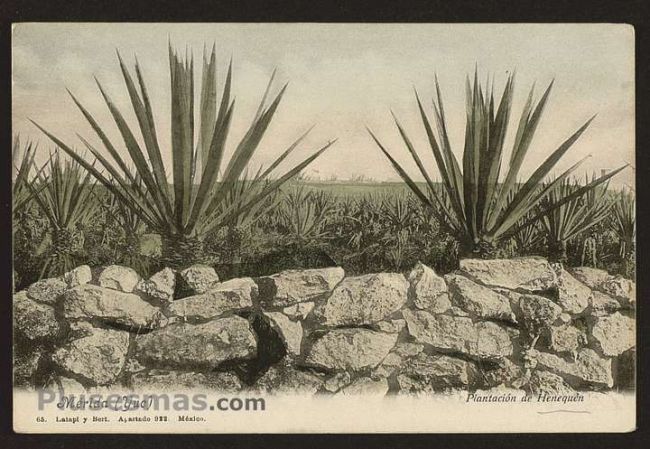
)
(342, 78)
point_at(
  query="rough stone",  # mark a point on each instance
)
(527, 274)
(506, 373)
(120, 278)
(591, 277)
(624, 290)
(197, 345)
(288, 380)
(79, 276)
(290, 331)
(229, 296)
(365, 299)
(160, 286)
(47, 291)
(428, 290)
(478, 301)
(294, 286)
(25, 368)
(337, 381)
(391, 326)
(573, 295)
(200, 278)
(299, 311)
(483, 340)
(428, 373)
(544, 382)
(97, 357)
(602, 304)
(110, 306)
(566, 338)
(173, 380)
(614, 334)
(366, 387)
(34, 320)
(537, 311)
(350, 349)
(588, 368)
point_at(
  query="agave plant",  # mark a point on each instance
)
(573, 218)
(23, 162)
(66, 199)
(482, 210)
(303, 215)
(624, 223)
(196, 202)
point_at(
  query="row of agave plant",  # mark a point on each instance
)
(207, 197)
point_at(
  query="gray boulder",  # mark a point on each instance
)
(614, 334)
(284, 379)
(299, 311)
(119, 278)
(573, 295)
(526, 274)
(200, 278)
(159, 287)
(350, 349)
(365, 299)
(33, 320)
(230, 296)
(602, 304)
(566, 338)
(91, 302)
(197, 346)
(537, 311)
(428, 290)
(478, 301)
(366, 386)
(482, 340)
(544, 382)
(78, 276)
(167, 380)
(290, 331)
(97, 357)
(47, 291)
(587, 369)
(294, 286)
(428, 373)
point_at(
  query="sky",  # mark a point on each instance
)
(342, 78)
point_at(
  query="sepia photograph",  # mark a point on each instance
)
(323, 228)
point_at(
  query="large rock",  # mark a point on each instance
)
(33, 320)
(97, 357)
(614, 334)
(602, 304)
(428, 373)
(91, 302)
(47, 291)
(482, 340)
(160, 286)
(299, 311)
(587, 369)
(478, 301)
(290, 331)
(230, 296)
(624, 290)
(350, 349)
(396, 359)
(78, 276)
(573, 295)
(428, 290)
(566, 338)
(526, 274)
(202, 346)
(119, 278)
(536, 311)
(25, 367)
(544, 382)
(200, 278)
(288, 380)
(365, 386)
(157, 380)
(294, 286)
(365, 299)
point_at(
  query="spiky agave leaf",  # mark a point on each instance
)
(479, 208)
(624, 221)
(194, 206)
(23, 162)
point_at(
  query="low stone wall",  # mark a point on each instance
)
(517, 323)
